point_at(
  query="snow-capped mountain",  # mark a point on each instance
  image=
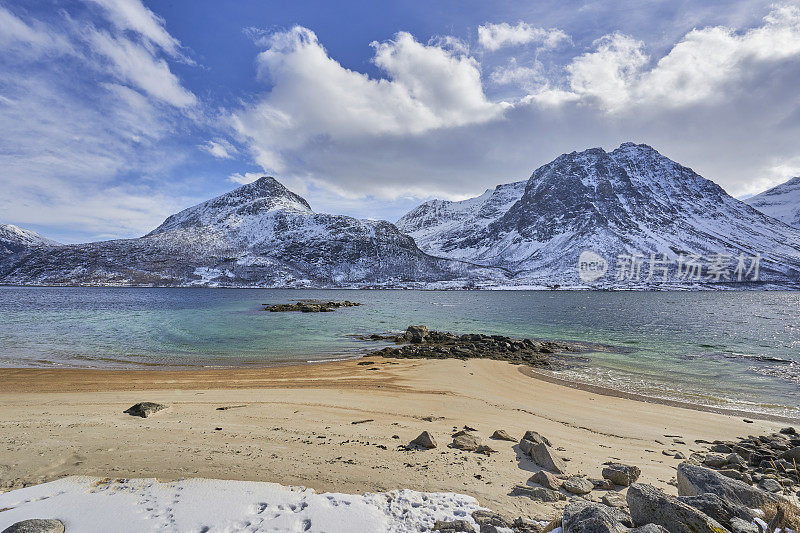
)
(260, 234)
(626, 206)
(781, 202)
(14, 239)
(439, 226)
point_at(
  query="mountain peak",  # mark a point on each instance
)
(781, 202)
(252, 201)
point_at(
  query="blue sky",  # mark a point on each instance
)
(117, 113)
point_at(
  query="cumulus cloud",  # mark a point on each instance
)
(495, 36)
(721, 100)
(314, 98)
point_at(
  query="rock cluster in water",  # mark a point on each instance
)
(309, 306)
(419, 342)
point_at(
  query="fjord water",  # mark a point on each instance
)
(734, 349)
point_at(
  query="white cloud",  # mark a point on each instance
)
(135, 64)
(314, 98)
(495, 36)
(527, 77)
(708, 65)
(723, 101)
(82, 111)
(244, 179)
(133, 15)
(608, 72)
(219, 148)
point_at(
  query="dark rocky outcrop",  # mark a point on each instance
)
(424, 440)
(720, 510)
(577, 485)
(649, 505)
(145, 409)
(539, 494)
(36, 525)
(456, 526)
(309, 306)
(502, 434)
(621, 474)
(545, 457)
(419, 342)
(588, 517)
(694, 480)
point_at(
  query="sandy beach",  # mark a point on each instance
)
(337, 427)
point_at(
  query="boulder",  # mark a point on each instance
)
(577, 485)
(144, 409)
(649, 528)
(718, 509)
(539, 494)
(465, 441)
(792, 454)
(489, 521)
(715, 460)
(424, 440)
(456, 526)
(535, 437)
(416, 334)
(621, 474)
(788, 431)
(742, 526)
(694, 480)
(648, 505)
(614, 499)
(602, 484)
(546, 479)
(770, 485)
(543, 456)
(588, 517)
(36, 525)
(501, 434)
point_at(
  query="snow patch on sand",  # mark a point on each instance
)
(90, 505)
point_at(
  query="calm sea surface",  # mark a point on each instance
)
(736, 349)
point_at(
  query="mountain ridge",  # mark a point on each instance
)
(631, 203)
(632, 200)
(259, 234)
(781, 202)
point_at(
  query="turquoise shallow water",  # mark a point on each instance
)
(737, 349)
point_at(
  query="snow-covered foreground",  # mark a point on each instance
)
(89, 505)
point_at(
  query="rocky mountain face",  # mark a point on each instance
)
(633, 217)
(781, 202)
(439, 226)
(14, 239)
(628, 206)
(260, 234)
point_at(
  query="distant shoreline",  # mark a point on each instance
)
(242, 376)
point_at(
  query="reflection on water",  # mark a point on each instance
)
(711, 347)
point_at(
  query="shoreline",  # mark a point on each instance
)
(337, 427)
(616, 393)
(255, 375)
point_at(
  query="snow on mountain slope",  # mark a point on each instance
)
(629, 201)
(438, 224)
(260, 234)
(781, 202)
(14, 239)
